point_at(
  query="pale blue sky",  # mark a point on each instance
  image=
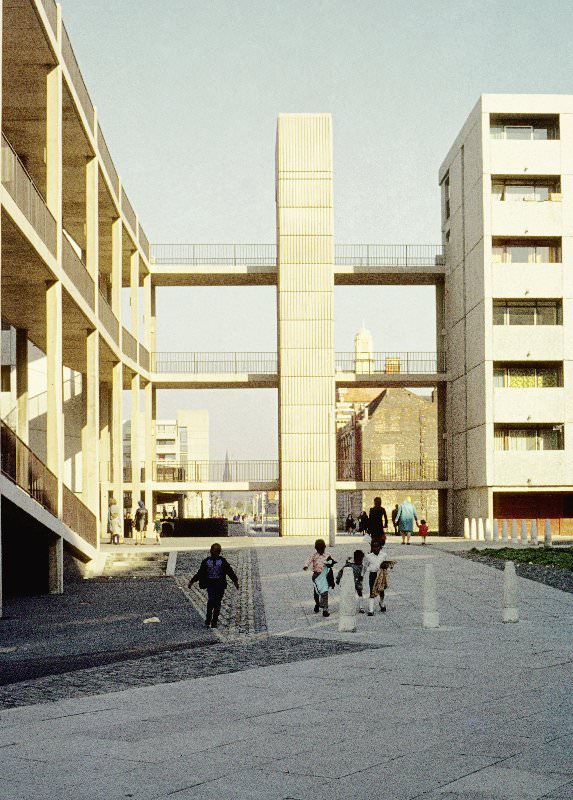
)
(188, 93)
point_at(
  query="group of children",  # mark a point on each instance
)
(374, 564)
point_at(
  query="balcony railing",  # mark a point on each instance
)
(359, 255)
(27, 197)
(144, 358)
(52, 13)
(25, 469)
(392, 363)
(76, 270)
(107, 160)
(78, 517)
(213, 363)
(127, 209)
(128, 472)
(108, 318)
(71, 63)
(391, 471)
(129, 344)
(215, 471)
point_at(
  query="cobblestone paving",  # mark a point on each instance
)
(242, 613)
(169, 667)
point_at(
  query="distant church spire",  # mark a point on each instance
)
(363, 350)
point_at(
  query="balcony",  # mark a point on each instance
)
(527, 342)
(215, 471)
(24, 468)
(215, 363)
(392, 471)
(528, 405)
(532, 468)
(76, 77)
(27, 197)
(108, 319)
(129, 344)
(76, 271)
(392, 363)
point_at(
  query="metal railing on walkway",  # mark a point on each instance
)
(212, 363)
(359, 255)
(390, 471)
(71, 63)
(27, 196)
(76, 270)
(129, 344)
(392, 363)
(215, 471)
(108, 318)
(78, 517)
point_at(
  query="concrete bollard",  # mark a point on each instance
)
(473, 530)
(504, 531)
(488, 531)
(547, 537)
(466, 528)
(510, 609)
(496, 530)
(431, 616)
(534, 532)
(514, 539)
(524, 532)
(347, 604)
(481, 536)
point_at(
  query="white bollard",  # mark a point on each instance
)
(488, 531)
(534, 532)
(431, 616)
(347, 604)
(481, 537)
(473, 530)
(547, 537)
(514, 539)
(510, 609)
(524, 532)
(466, 528)
(504, 531)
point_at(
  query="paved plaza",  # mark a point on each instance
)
(277, 704)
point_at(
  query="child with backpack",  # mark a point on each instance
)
(212, 576)
(321, 564)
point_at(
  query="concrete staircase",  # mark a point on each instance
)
(135, 565)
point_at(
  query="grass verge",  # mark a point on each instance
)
(548, 557)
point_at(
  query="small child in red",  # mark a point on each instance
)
(423, 530)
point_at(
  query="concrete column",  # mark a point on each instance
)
(54, 149)
(150, 394)
(307, 443)
(22, 383)
(150, 315)
(56, 566)
(116, 268)
(134, 293)
(104, 452)
(135, 440)
(92, 223)
(54, 366)
(117, 433)
(91, 430)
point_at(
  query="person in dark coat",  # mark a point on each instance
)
(377, 521)
(141, 522)
(212, 576)
(363, 522)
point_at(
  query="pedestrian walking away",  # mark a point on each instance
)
(350, 524)
(356, 566)
(321, 564)
(141, 521)
(405, 518)
(363, 522)
(212, 575)
(394, 515)
(371, 566)
(423, 530)
(377, 520)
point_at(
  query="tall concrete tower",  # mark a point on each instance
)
(305, 296)
(363, 351)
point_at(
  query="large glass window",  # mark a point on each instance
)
(527, 376)
(530, 437)
(526, 251)
(527, 312)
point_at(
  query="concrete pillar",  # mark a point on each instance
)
(488, 530)
(54, 149)
(524, 532)
(504, 531)
(117, 433)
(135, 440)
(466, 528)
(54, 367)
(480, 530)
(22, 383)
(92, 224)
(91, 430)
(473, 529)
(134, 293)
(547, 536)
(150, 397)
(307, 443)
(514, 539)
(496, 530)
(534, 532)
(116, 268)
(150, 315)
(56, 565)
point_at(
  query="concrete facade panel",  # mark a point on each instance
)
(473, 210)
(514, 157)
(514, 281)
(296, 193)
(305, 221)
(476, 383)
(475, 276)
(455, 296)
(302, 419)
(459, 464)
(314, 252)
(457, 415)
(527, 342)
(531, 468)
(526, 218)
(476, 444)
(530, 405)
(456, 349)
(306, 305)
(475, 336)
(305, 363)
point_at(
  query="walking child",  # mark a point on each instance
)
(356, 567)
(371, 566)
(212, 576)
(321, 564)
(423, 530)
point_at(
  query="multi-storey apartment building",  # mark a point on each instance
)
(507, 223)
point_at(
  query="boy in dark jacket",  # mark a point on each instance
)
(212, 575)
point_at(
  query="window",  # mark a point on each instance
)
(527, 312)
(165, 442)
(524, 126)
(446, 196)
(527, 376)
(528, 437)
(526, 251)
(512, 189)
